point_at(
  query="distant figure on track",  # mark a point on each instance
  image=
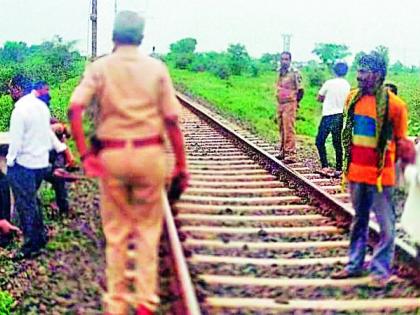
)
(332, 94)
(376, 121)
(289, 93)
(137, 106)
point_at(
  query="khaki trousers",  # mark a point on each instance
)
(286, 118)
(132, 217)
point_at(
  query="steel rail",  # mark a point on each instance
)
(332, 206)
(187, 288)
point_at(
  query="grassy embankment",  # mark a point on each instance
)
(251, 100)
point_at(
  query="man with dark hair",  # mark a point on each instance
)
(19, 86)
(137, 106)
(376, 121)
(333, 95)
(31, 138)
(289, 93)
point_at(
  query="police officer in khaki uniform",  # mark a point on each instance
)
(137, 105)
(289, 93)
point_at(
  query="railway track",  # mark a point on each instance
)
(260, 237)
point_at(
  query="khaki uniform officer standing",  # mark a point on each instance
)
(137, 105)
(289, 93)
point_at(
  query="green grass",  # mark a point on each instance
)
(251, 100)
(6, 302)
(248, 99)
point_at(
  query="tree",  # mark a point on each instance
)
(185, 45)
(270, 61)
(54, 61)
(398, 67)
(13, 52)
(238, 58)
(182, 52)
(330, 53)
(384, 52)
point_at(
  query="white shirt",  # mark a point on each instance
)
(31, 137)
(410, 216)
(335, 92)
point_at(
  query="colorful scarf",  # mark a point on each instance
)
(383, 130)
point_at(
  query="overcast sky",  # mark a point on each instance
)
(359, 24)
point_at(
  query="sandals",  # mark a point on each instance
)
(327, 172)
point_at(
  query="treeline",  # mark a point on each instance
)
(237, 61)
(54, 61)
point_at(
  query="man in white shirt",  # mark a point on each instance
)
(31, 138)
(333, 94)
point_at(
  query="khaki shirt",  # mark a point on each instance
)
(134, 92)
(288, 85)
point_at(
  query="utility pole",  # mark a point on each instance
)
(115, 7)
(286, 41)
(94, 19)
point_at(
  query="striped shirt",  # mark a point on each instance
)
(364, 156)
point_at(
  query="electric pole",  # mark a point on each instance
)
(286, 41)
(94, 19)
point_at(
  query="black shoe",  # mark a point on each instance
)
(72, 168)
(26, 254)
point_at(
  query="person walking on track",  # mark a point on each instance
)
(332, 94)
(289, 93)
(137, 106)
(375, 124)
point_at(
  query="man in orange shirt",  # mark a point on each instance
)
(376, 120)
(137, 106)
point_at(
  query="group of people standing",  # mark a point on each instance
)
(369, 131)
(137, 106)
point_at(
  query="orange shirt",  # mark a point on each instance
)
(364, 157)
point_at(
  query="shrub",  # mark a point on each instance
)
(316, 76)
(6, 302)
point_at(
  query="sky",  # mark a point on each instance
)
(258, 24)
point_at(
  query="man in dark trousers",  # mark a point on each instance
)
(18, 86)
(31, 139)
(332, 94)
